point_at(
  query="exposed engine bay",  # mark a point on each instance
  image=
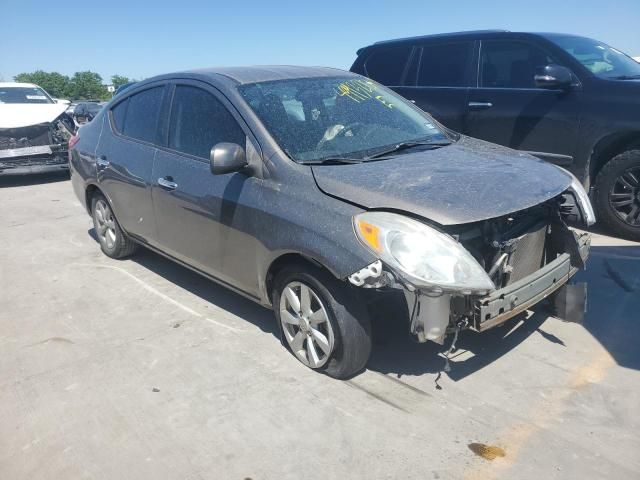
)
(36, 147)
(528, 255)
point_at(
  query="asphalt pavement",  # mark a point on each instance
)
(141, 369)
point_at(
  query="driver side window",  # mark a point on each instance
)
(506, 64)
(199, 121)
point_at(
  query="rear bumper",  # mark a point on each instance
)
(506, 303)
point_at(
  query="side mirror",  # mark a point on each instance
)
(227, 158)
(62, 101)
(554, 77)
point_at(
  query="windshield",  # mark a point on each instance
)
(318, 118)
(23, 95)
(601, 59)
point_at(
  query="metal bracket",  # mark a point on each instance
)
(370, 276)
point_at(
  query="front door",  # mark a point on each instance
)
(507, 108)
(194, 209)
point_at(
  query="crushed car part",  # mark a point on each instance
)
(34, 130)
(527, 256)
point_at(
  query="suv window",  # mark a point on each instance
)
(507, 64)
(199, 121)
(387, 66)
(141, 118)
(445, 65)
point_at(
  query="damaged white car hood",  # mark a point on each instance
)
(17, 115)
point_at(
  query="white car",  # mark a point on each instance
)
(34, 130)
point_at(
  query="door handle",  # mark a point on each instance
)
(167, 183)
(480, 105)
(102, 162)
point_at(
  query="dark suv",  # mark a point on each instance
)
(569, 100)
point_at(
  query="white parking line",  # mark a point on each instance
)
(166, 298)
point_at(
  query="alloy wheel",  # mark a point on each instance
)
(306, 325)
(105, 224)
(624, 196)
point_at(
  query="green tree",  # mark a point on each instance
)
(55, 84)
(87, 86)
(119, 80)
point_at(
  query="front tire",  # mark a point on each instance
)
(323, 321)
(617, 195)
(113, 241)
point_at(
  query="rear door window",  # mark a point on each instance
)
(386, 66)
(199, 121)
(445, 65)
(118, 113)
(507, 64)
(141, 119)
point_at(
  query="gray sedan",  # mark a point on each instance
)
(317, 192)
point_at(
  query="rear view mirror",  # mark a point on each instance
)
(227, 158)
(554, 77)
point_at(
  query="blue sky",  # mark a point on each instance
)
(141, 39)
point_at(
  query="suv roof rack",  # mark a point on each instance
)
(435, 35)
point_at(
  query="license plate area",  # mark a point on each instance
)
(506, 303)
(26, 151)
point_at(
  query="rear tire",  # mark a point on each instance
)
(617, 195)
(345, 342)
(113, 241)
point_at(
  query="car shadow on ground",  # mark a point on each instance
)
(397, 354)
(33, 179)
(612, 277)
(612, 318)
(207, 290)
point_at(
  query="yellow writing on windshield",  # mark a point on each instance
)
(362, 90)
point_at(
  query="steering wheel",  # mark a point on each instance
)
(350, 127)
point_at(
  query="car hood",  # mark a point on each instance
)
(468, 181)
(17, 115)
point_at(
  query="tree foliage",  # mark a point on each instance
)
(85, 85)
(54, 83)
(119, 80)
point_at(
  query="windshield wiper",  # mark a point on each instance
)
(406, 145)
(334, 161)
(625, 77)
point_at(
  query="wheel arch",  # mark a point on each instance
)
(610, 146)
(89, 192)
(287, 259)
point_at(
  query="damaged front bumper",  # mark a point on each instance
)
(34, 159)
(36, 148)
(433, 314)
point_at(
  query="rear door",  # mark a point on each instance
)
(438, 80)
(195, 210)
(507, 108)
(124, 159)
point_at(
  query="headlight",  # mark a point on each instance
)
(424, 255)
(583, 200)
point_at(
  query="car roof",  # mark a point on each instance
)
(18, 85)
(470, 34)
(258, 73)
